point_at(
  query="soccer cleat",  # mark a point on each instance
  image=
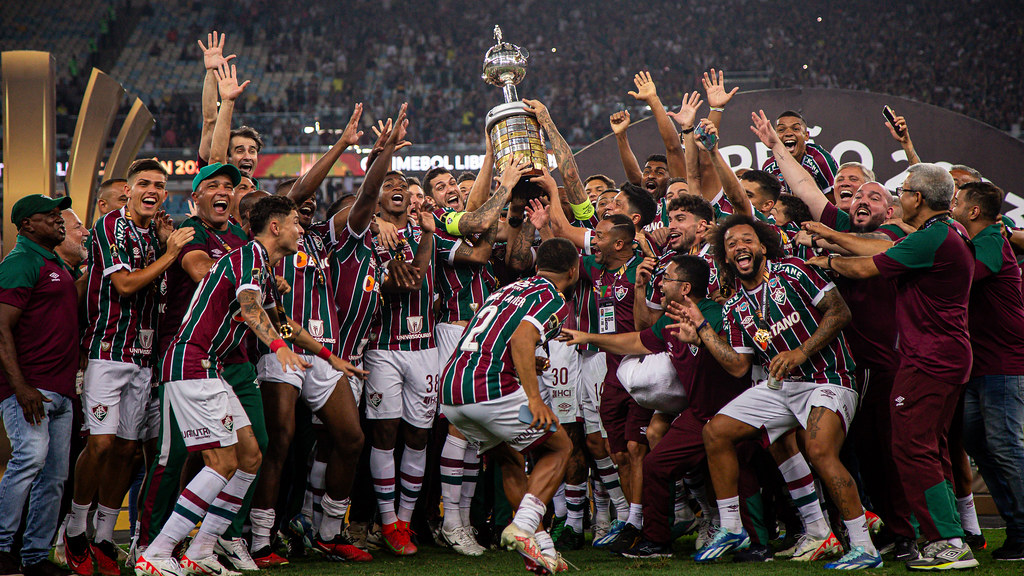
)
(601, 529)
(267, 558)
(723, 541)
(856, 559)
(705, 532)
(611, 535)
(975, 541)
(556, 563)
(644, 548)
(157, 567)
(341, 549)
(809, 548)
(462, 541)
(236, 552)
(208, 566)
(356, 534)
(302, 527)
(627, 537)
(105, 558)
(570, 540)
(515, 538)
(756, 553)
(905, 550)
(375, 538)
(942, 555)
(557, 525)
(682, 528)
(875, 523)
(398, 539)
(58, 548)
(76, 552)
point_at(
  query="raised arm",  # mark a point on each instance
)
(800, 181)
(311, 179)
(563, 157)
(369, 191)
(647, 92)
(620, 122)
(560, 226)
(479, 220)
(730, 183)
(714, 87)
(904, 140)
(685, 118)
(643, 316)
(482, 185)
(213, 57)
(230, 90)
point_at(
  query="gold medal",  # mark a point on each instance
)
(762, 337)
(286, 331)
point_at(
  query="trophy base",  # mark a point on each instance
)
(515, 133)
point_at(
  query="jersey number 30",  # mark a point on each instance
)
(484, 319)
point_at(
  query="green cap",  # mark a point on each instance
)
(210, 170)
(37, 204)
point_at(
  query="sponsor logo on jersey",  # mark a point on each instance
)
(747, 321)
(196, 433)
(743, 307)
(216, 253)
(414, 323)
(316, 328)
(301, 259)
(99, 411)
(54, 277)
(369, 284)
(899, 400)
(788, 322)
(146, 338)
(229, 422)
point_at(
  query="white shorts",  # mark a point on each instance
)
(207, 412)
(402, 384)
(592, 373)
(563, 381)
(114, 397)
(495, 421)
(315, 384)
(447, 336)
(151, 424)
(779, 411)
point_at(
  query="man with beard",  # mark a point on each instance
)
(310, 302)
(790, 319)
(791, 130)
(933, 268)
(850, 177)
(74, 250)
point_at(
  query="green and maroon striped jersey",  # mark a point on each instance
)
(310, 302)
(213, 325)
(460, 287)
(121, 328)
(406, 319)
(615, 287)
(787, 302)
(481, 368)
(355, 271)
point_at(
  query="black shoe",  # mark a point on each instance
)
(625, 540)
(644, 548)
(9, 564)
(570, 539)
(905, 550)
(975, 541)
(44, 568)
(1010, 551)
(756, 553)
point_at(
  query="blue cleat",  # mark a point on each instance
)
(856, 559)
(611, 536)
(723, 541)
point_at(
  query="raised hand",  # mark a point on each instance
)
(619, 122)
(400, 127)
(645, 89)
(687, 111)
(645, 270)
(213, 51)
(901, 126)
(352, 133)
(514, 171)
(537, 108)
(709, 128)
(685, 311)
(227, 82)
(538, 214)
(764, 129)
(714, 87)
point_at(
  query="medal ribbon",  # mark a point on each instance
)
(760, 309)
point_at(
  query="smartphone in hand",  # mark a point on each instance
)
(526, 417)
(890, 115)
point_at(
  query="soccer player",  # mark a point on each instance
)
(793, 140)
(489, 391)
(130, 250)
(934, 267)
(790, 319)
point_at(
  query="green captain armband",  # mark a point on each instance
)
(584, 211)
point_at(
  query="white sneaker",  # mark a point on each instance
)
(356, 534)
(157, 567)
(208, 566)
(58, 549)
(462, 541)
(601, 529)
(809, 548)
(705, 532)
(236, 552)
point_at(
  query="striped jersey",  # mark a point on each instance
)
(461, 287)
(121, 328)
(608, 290)
(213, 325)
(481, 368)
(355, 271)
(310, 302)
(654, 294)
(818, 163)
(787, 303)
(406, 319)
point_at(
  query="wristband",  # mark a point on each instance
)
(715, 109)
(515, 221)
(688, 130)
(830, 257)
(277, 345)
(702, 325)
(584, 211)
(324, 353)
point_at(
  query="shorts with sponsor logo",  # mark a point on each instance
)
(315, 384)
(207, 412)
(151, 424)
(592, 372)
(563, 382)
(402, 384)
(114, 398)
(779, 411)
(447, 338)
(495, 421)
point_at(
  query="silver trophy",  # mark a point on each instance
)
(514, 131)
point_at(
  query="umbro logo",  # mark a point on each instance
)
(54, 277)
(899, 400)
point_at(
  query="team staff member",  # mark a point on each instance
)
(38, 359)
(933, 268)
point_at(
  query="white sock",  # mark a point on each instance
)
(190, 509)
(602, 513)
(575, 502)
(530, 513)
(78, 519)
(610, 478)
(315, 488)
(958, 542)
(221, 514)
(798, 478)
(547, 546)
(558, 502)
(729, 510)
(470, 472)
(452, 456)
(636, 515)
(859, 535)
(682, 510)
(382, 468)
(106, 518)
(262, 520)
(968, 514)
(414, 465)
(333, 518)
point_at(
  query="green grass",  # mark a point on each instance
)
(432, 561)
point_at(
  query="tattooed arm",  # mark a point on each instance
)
(479, 252)
(258, 320)
(563, 154)
(835, 315)
(479, 220)
(687, 314)
(519, 255)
